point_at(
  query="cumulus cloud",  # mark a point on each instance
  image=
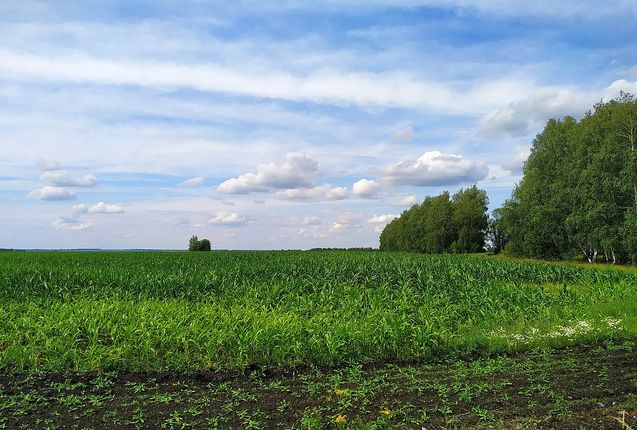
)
(103, 208)
(229, 219)
(320, 192)
(620, 85)
(516, 164)
(295, 171)
(434, 168)
(528, 115)
(408, 200)
(72, 221)
(61, 178)
(336, 193)
(78, 210)
(366, 188)
(381, 219)
(52, 193)
(192, 182)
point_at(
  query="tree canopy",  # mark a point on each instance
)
(578, 194)
(440, 224)
(198, 245)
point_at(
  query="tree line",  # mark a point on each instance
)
(578, 196)
(440, 224)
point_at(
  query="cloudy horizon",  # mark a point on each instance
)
(277, 125)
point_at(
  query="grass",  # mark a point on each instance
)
(233, 310)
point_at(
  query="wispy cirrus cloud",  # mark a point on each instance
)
(390, 88)
(192, 182)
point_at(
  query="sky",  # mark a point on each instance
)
(281, 124)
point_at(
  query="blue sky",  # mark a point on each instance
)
(281, 124)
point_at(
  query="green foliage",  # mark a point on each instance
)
(189, 310)
(440, 224)
(198, 245)
(495, 235)
(579, 188)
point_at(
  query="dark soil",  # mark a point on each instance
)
(592, 387)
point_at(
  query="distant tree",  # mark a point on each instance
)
(198, 245)
(204, 245)
(193, 243)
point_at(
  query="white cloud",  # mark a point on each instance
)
(390, 88)
(258, 201)
(72, 222)
(61, 178)
(336, 193)
(616, 87)
(345, 221)
(51, 193)
(320, 192)
(103, 208)
(192, 182)
(366, 188)
(229, 219)
(63, 224)
(408, 200)
(434, 168)
(296, 171)
(311, 220)
(528, 115)
(515, 164)
(78, 210)
(381, 219)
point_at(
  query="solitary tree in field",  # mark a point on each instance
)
(198, 245)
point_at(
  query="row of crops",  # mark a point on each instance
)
(158, 311)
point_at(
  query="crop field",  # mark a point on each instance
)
(130, 319)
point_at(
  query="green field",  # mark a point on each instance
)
(125, 311)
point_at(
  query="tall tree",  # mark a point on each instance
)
(470, 219)
(579, 189)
